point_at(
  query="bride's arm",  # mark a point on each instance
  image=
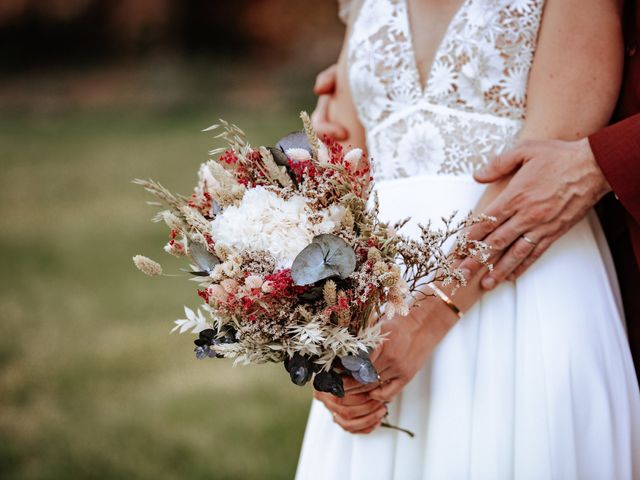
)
(572, 91)
(573, 87)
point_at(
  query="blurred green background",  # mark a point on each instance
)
(92, 385)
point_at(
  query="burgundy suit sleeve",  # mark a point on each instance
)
(617, 151)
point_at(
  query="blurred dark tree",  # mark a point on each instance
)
(41, 33)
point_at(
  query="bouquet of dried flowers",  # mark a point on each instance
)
(292, 262)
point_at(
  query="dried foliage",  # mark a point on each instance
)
(292, 263)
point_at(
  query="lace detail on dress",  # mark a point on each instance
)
(474, 100)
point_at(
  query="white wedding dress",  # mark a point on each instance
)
(536, 381)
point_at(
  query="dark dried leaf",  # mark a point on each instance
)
(202, 352)
(329, 382)
(300, 369)
(279, 157)
(313, 294)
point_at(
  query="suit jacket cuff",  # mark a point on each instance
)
(617, 150)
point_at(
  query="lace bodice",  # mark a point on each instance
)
(474, 101)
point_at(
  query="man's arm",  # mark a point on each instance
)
(555, 186)
(617, 151)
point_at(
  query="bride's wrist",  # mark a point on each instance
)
(434, 314)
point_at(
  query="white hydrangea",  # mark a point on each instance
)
(265, 221)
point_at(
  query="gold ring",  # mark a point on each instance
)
(528, 240)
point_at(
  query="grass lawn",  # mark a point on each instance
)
(92, 385)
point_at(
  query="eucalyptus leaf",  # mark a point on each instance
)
(215, 208)
(326, 256)
(366, 374)
(203, 258)
(294, 140)
(360, 367)
(352, 362)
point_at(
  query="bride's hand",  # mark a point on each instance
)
(410, 342)
(356, 413)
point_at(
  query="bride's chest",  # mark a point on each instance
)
(471, 55)
(428, 21)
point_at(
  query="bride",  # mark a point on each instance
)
(535, 380)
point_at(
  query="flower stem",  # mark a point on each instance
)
(400, 429)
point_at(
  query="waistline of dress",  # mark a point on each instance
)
(447, 111)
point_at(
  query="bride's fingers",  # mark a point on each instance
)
(350, 412)
(361, 424)
(351, 400)
(361, 388)
(388, 391)
(353, 387)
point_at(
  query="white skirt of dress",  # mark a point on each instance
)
(536, 381)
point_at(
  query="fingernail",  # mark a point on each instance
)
(488, 283)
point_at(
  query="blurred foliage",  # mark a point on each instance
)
(37, 33)
(93, 94)
(92, 385)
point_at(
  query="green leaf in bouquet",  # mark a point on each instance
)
(329, 382)
(205, 260)
(326, 256)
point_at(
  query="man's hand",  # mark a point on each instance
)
(556, 183)
(325, 87)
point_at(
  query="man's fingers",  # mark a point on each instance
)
(501, 209)
(542, 247)
(333, 130)
(506, 234)
(388, 391)
(319, 115)
(326, 81)
(322, 124)
(500, 166)
(359, 424)
(518, 252)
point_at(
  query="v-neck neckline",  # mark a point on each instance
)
(410, 40)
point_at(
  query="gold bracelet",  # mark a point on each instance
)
(445, 298)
